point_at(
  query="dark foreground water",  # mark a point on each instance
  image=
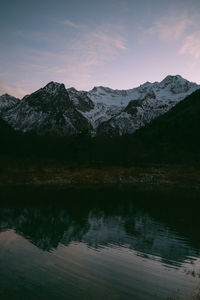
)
(100, 244)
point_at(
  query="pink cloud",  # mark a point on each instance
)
(170, 28)
(13, 90)
(191, 45)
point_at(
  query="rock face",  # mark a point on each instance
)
(47, 111)
(119, 112)
(148, 102)
(80, 100)
(5, 129)
(102, 111)
(7, 101)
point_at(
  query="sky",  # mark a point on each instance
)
(85, 43)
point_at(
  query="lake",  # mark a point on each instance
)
(114, 243)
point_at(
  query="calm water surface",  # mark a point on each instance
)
(99, 244)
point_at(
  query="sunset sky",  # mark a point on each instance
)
(115, 43)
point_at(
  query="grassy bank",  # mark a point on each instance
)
(61, 174)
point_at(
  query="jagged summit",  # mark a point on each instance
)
(177, 84)
(102, 110)
(6, 95)
(53, 88)
(49, 111)
(7, 101)
(172, 77)
(147, 83)
(71, 89)
(169, 79)
(100, 87)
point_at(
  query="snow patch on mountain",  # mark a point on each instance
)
(148, 102)
(7, 101)
(47, 111)
(102, 111)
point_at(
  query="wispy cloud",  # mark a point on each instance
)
(181, 28)
(191, 45)
(13, 90)
(169, 28)
(74, 60)
(109, 41)
(69, 23)
(99, 45)
(93, 49)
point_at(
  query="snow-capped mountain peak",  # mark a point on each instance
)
(49, 110)
(172, 78)
(53, 88)
(147, 102)
(176, 84)
(102, 110)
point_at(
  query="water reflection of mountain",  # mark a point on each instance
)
(124, 225)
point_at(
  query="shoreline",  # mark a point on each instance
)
(181, 177)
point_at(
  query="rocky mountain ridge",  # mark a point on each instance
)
(7, 101)
(56, 110)
(47, 111)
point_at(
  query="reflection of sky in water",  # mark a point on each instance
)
(48, 227)
(109, 272)
(110, 250)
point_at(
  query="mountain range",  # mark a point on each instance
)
(56, 111)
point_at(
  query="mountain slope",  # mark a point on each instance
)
(181, 124)
(173, 137)
(5, 128)
(118, 112)
(7, 101)
(47, 111)
(149, 101)
(55, 110)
